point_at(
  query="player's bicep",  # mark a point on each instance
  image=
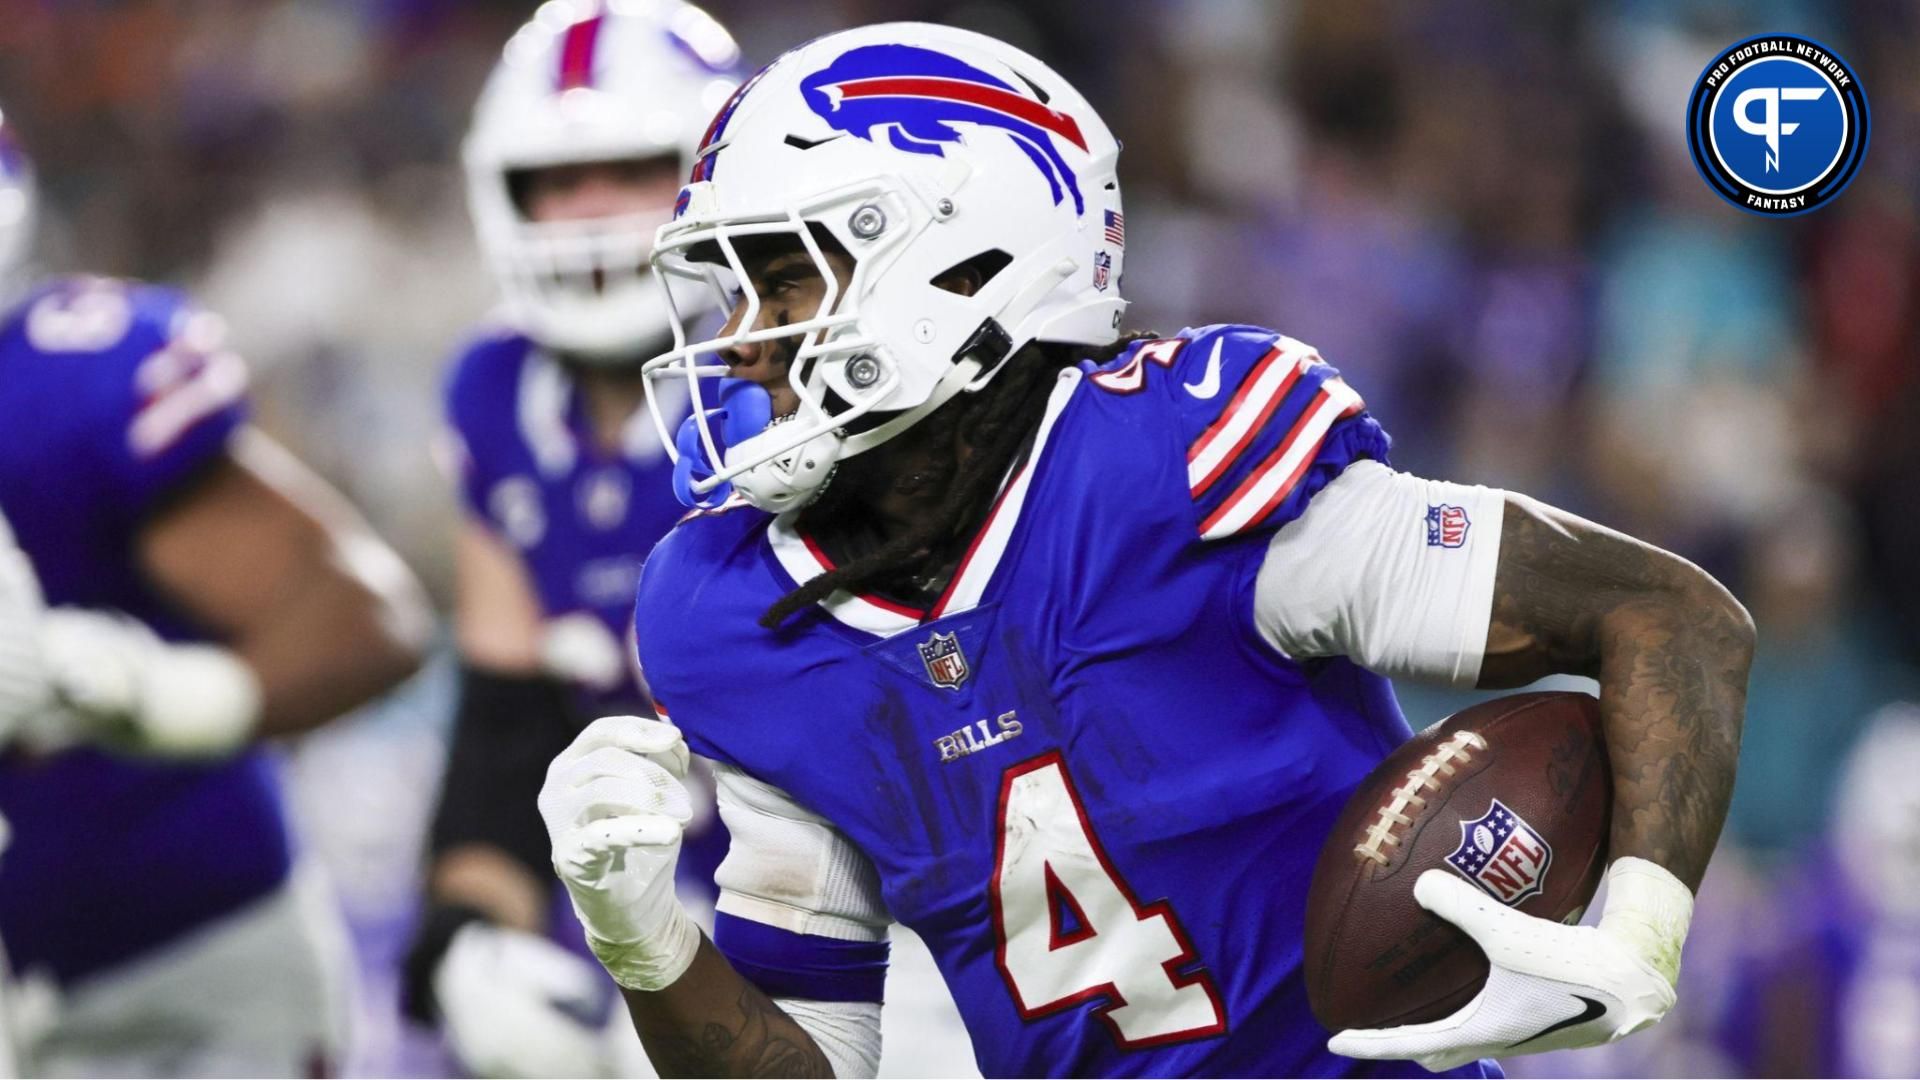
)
(800, 913)
(1390, 569)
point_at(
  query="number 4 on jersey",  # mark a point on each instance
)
(1070, 930)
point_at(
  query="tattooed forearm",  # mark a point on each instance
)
(712, 1022)
(1670, 648)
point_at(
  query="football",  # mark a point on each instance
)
(1514, 795)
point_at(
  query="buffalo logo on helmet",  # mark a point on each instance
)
(946, 663)
(1502, 854)
(917, 95)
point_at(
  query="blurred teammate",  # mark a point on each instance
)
(577, 148)
(1835, 989)
(203, 590)
(1065, 650)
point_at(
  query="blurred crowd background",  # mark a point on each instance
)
(1484, 214)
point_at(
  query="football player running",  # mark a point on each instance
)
(578, 145)
(202, 590)
(1063, 649)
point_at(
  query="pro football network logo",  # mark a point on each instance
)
(1447, 526)
(1503, 855)
(946, 664)
(1778, 124)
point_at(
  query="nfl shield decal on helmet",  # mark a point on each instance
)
(1102, 269)
(1502, 854)
(946, 664)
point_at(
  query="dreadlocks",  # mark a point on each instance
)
(994, 425)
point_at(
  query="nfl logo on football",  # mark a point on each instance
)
(946, 664)
(1503, 855)
(1446, 526)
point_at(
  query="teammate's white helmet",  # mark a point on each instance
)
(918, 148)
(586, 81)
(17, 198)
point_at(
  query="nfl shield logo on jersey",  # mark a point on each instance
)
(946, 664)
(1446, 526)
(1503, 855)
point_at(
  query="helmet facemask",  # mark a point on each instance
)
(852, 393)
(580, 285)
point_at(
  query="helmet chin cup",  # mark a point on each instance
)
(745, 409)
(790, 480)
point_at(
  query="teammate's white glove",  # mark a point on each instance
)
(514, 1004)
(614, 808)
(136, 692)
(1552, 986)
(26, 691)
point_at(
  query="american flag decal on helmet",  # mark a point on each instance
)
(1117, 229)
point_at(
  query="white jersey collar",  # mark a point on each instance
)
(803, 560)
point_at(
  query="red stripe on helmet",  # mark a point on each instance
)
(973, 93)
(576, 51)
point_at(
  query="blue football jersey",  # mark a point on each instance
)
(1081, 775)
(113, 397)
(581, 519)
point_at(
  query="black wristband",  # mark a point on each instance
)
(508, 730)
(431, 940)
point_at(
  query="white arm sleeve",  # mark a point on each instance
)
(788, 867)
(847, 1032)
(1389, 569)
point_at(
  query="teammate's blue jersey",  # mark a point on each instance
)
(1082, 776)
(581, 519)
(1833, 989)
(114, 397)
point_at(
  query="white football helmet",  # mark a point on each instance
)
(918, 148)
(1876, 820)
(17, 199)
(587, 81)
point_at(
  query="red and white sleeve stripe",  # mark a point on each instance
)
(1274, 478)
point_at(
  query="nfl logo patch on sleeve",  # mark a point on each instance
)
(1446, 526)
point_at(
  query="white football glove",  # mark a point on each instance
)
(515, 1004)
(614, 808)
(26, 689)
(1552, 986)
(133, 691)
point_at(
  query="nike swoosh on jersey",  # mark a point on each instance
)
(1592, 1010)
(1209, 383)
